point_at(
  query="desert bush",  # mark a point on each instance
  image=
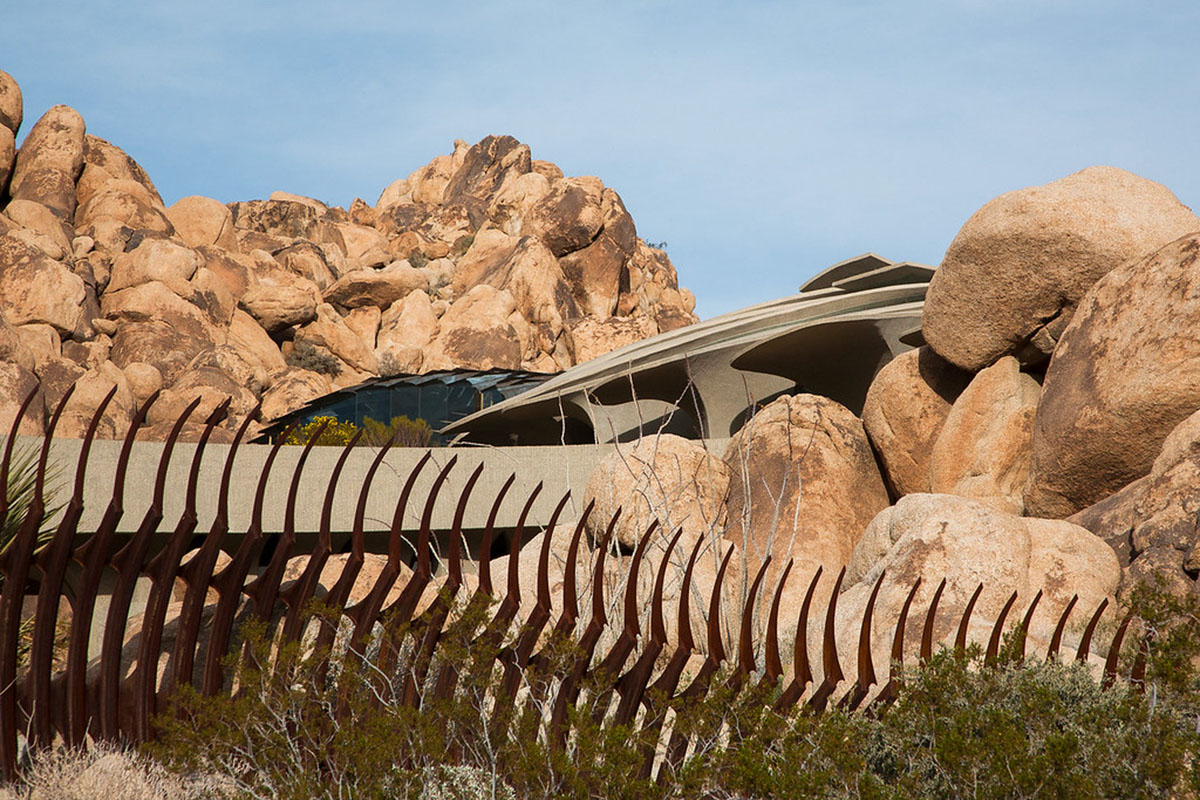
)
(336, 434)
(959, 729)
(408, 432)
(305, 355)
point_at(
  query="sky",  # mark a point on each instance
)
(762, 141)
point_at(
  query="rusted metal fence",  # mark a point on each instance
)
(50, 705)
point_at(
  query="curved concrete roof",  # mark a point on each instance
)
(704, 380)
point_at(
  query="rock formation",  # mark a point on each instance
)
(483, 258)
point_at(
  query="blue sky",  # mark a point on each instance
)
(761, 140)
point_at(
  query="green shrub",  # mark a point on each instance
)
(408, 432)
(336, 434)
(958, 729)
(417, 259)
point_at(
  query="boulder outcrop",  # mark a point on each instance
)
(483, 258)
(1126, 371)
(1014, 274)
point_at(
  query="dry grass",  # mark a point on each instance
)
(105, 772)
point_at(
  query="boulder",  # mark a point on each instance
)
(155, 260)
(377, 287)
(13, 347)
(329, 333)
(55, 143)
(40, 218)
(427, 185)
(234, 270)
(202, 221)
(405, 332)
(364, 321)
(1151, 523)
(590, 337)
(43, 342)
(804, 486)
(12, 108)
(121, 203)
(1014, 274)
(931, 537)
(904, 411)
(530, 274)
(598, 272)
(157, 327)
(482, 172)
(144, 380)
(569, 217)
(1126, 371)
(104, 161)
(663, 478)
(280, 300)
(983, 449)
(8, 155)
(16, 383)
(213, 385)
(282, 218)
(36, 289)
(90, 390)
(291, 390)
(361, 243)
(254, 344)
(474, 333)
(308, 261)
(515, 199)
(50, 187)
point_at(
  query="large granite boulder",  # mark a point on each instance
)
(569, 217)
(983, 449)
(405, 332)
(12, 107)
(291, 390)
(905, 409)
(1012, 277)
(16, 383)
(663, 478)
(475, 331)
(201, 221)
(377, 287)
(804, 486)
(1125, 373)
(931, 537)
(1151, 523)
(36, 289)
(54, 144)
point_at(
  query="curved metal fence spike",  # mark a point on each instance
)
(632, 685)
(658, 626)
(831, 664)
(1023, 629)
(128, 562)
(1056, 639)
(930, 621)
(570, 597)
(716, 647)
(94, 556)
(230, 582)
(746, 663)
(866, 662)
(1114, 652)
(339, 594)
(993, 647)
(264, 590)
(887, 695)
(1085, 643)
(774, 663)
(489, 532)
(960, 640)
(15, 564)
(801, 669)
(304, 588)
(162, 571)
(626, 640)
(198, 573)
(53, 562)
(367, 611)
(454, 562)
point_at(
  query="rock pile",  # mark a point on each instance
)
(1046, 438)
(482, 258)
